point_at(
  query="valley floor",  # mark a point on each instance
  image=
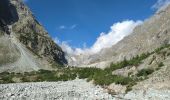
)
(70, 90)
(154, 86)
(77, 89)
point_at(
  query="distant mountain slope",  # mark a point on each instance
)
(153, 33)
(24, 43)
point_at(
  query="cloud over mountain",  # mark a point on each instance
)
(117, 32)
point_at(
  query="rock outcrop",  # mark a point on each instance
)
(8, 13)
(24, 42)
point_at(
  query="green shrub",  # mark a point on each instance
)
(130, 85)
(168, 54)
(145, 72)
(86, 72)
(7, 79)
(4, 73)
(135, 61)
(128, 88)
(25, 79)
(161, 48)
(103, 78)
(42, 71)
(122, 80)
(160, 64)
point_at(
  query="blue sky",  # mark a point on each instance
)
(81, 22)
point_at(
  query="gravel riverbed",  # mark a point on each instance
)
(71, 90)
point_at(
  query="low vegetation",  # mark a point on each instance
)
(145, 72)
(135, 61)
(161, 48)
(100, 77)
(160, 64)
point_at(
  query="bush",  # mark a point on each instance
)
(145, 72)
(7, 79)
(130, 85)
(86, 72)
(118, 65)
(160, 64)
(103, 78)
(132, 62)
(42, 71)
(25, 79)
(161, 48)
(122, 80)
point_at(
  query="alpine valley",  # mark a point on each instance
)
(33, 66)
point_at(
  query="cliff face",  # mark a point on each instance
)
(8, 13)
(24, 42)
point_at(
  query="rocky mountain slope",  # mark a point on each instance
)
(153, 33)
(24, 44)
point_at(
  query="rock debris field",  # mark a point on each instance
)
(77, 89)
(71, 90)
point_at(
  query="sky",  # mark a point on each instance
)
(87, 26)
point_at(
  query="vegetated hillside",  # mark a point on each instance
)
(24, 43)
(153, 33)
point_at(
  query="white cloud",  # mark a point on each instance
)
(73, 26)
(64, 27)
(117, 32)
(161, 4)
(65, 46)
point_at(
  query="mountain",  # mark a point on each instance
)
(153, 33)
(135, 68)
(24, 44)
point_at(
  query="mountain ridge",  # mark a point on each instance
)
(153, 33)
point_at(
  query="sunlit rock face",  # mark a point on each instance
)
(25, 44)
